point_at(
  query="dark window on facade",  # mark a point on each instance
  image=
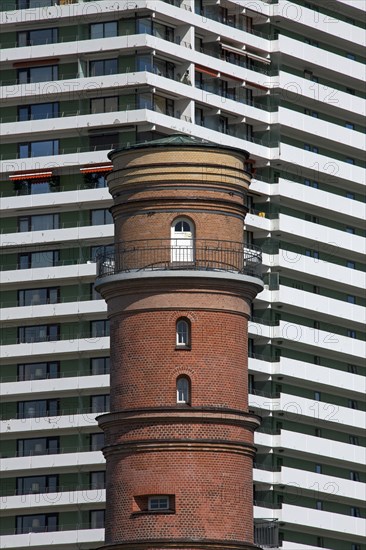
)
(96, 441)
(37, 37)
(103, 67)
(37, 296)
(36, 186)
(99, 365)
(97, 518)
(38, 74)
(351, 299)
(183, 390)
(355, 512)
(354, 476)
(99, 403)
(351, 333)
(38, 111)
(38, 333)
(42, 222)
(99, 328)
(353, 404)
(37, 484)
(103, 30)
(312, 148)
(38, 371)
(36, 523)
(353, 439)
(46, 258)
(38, 408)
(104, 104)
(95, 180)
(351, 264)
(352, 368)
(103, 141)
(38, 148)
(97, 480)
(100, 217)
(183, 333)
(38, 446)
(26, 4)
(94, 250)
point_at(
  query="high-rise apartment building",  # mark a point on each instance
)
(283, 80)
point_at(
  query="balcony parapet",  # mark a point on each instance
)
(173, 254)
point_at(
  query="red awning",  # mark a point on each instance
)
(31, 176)
(205, 70)
(95, 169)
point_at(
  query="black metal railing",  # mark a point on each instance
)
(266, 533)
(180, 254)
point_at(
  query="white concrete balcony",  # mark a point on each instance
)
(15, 277)
(329, 100)
(307, 520)
(307, 304)
(47, 502)
(317, 341)
(85, 310)
(318, 413)
(58, 540)
(37, 427)
(64, 387)
(55, 349)
(335, 29)
(330, 65)
(327, 166)
(66, 461)
(322, 203)
(308, 447)
(306, 483)
(321, 378)
(317, 271)
(328, 135)
(86, 234)
(63, 200)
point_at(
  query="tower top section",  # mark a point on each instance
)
(178, 140)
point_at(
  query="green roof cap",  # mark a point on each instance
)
(177, 140)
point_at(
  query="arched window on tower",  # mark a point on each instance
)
(183, 333)
(182, 236)
(183, 389)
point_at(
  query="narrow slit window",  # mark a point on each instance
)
(183, 333)
(183, 390)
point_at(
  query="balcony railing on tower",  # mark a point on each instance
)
(180, 254)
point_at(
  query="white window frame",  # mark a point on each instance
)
(183, 333)
(183, 394)
(162, 501)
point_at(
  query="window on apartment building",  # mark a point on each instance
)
(99, 403)
(38, 296)
(26, 4)
(351, 299)
(318, 468)
(97, 480)
(37, 37)
(36, 186)
(95, 250)
(352, 368)
(352, 404)
(353, 439)
(350, 195)
(38, 111)
(42, 222)
(38, 446)
(163, 105)
(350, 230)
(318, 432)
(159, 502)
(350, 91)
(355, 512)
(350, 160)
(47, 258)
(37, 74)
(351, 333)
(317, 396)
(99, 142)
(183, 333)
(100, 217)
(312, 148)
(311, 183)
(36, 523)
(103, 67)
(309, 112)
(95, 180)
(350, 264)
(38, 408)
(350, 125)
(183, 389)
(37, 484)
(94, 294)
(316, 289)
(356, 547)
(319, 505)
(39, 148)
(38, 333)
(100, 328)
(103, 30)
(312, 254)
(223, 125)
(97, 519)
(354, 476)
(104, 104)
(99, 365)
(96, 441)
(351, 56)
(320, 542)
(317, 360)
(38, 371)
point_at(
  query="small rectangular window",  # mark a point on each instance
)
(354, 476)
(38, 371)
(318, 468)
(101, 217)
(97, 480)
(97, 519)
(352, 369)
(96, 441)
(103, 30)
(319, 505)
(351, 299)
(317, 396)
(350, 160)
(157, 503)
(355, 512)
(350, 125)
(351, 333)
(99, 403)
(99, 365)
(103, 67)
(352, 403)
(99, 328)
(350, 264)
(353, 439)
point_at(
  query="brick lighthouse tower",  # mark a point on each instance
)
(179, 438)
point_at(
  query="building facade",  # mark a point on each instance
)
(283, 80)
